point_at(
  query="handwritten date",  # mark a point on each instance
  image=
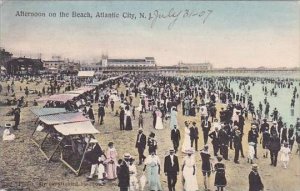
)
(174, 16)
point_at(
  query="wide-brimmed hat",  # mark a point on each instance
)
(254, 166)
(8, 125)
(189, 151)
(172, 150)
(127, 156)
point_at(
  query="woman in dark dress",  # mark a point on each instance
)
(291, 136)
(206, 166)
(128, 125)
(220, 179)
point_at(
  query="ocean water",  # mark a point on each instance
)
(284, 95)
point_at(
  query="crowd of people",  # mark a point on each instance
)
(198, 98)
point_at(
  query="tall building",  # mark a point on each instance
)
(57, 64)
(106, 65)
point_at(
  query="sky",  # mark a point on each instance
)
(234, 34)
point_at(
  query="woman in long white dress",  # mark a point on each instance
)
(189, 172)
(152, 164)
(173, 119)
(159, 124)
(186, 141)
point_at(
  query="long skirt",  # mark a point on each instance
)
(128, 123)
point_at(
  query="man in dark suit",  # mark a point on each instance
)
(241, 123)
(224, 142)
(171, 169)
(154, 117)
(101, 113)
(91, 114)
(122, 117)
(194, 135)
(274, 148)
(237, 144)
(252, 137)
(206, 125)
(93, 157)
(215, 140)
(141, 145)
(175, 137)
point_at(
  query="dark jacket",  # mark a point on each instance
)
(215, 138)
(194, 132)
(252, 136)
(206, 129)
(274, 144)
(94, 154)
(223, 137)
(91, 114)
(255, 183)
(175, 136)
(101, 111)
(142, 143)
(122, 114)
(237, 141)
(168, 168)
(123, 175)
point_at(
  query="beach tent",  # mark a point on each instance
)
(59, 97)
(81, 90)
(47, 111)
(65, 133)
(73, 130)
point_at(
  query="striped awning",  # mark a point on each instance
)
(79, 128)
(59, 97)
(47, 111)
(63, 118)
(81, 90)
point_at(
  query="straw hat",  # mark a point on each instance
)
(189, 151)
(254, 166)
(171, 150)
(127, 156)
(8, 125)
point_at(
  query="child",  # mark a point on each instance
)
(220, 178)
(141, 120)
(251, 152)
(285, 151)
(134, 184)
(101, 172)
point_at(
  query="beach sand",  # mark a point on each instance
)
(23, 167)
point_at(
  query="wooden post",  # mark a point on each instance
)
(55, 149)
(44, 140)
(87, 145)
